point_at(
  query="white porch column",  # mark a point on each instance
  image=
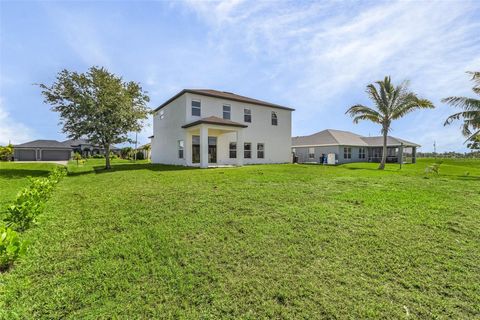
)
(187, 150)
(240, 142)
(203, 146)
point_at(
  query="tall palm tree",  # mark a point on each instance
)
(471, 110)
(390, 103)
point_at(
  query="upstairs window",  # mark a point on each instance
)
(247, 150)
(247, 115)
(347, 153)
(361, 153)
(260, 150)
(196, 108)
(180, 149)
(274, 118)
(227, 110)
(162, 114)
(233, 150)
(311, 153)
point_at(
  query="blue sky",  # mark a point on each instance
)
(316, 57)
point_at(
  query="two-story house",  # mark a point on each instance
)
(209, 128)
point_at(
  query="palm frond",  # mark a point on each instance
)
(366, 117)
(468, 104)
(410, 102)
(361, 112)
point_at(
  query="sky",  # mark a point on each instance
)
(314, 56)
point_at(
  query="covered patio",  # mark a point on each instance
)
(214, 141)
(395, 154)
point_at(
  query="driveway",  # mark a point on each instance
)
(60, 162)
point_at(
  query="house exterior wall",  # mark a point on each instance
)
(354, 154)
(167, 131)
(276, 139)
(302, 153)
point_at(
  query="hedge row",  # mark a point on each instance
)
(22, 213)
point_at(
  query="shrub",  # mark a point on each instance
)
(140, 155)
(11, 247)
(77, 157)
(98, 156)
(6, 153)
(27, 205)
(434, 167)
(29, 202)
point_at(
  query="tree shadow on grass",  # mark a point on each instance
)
(22, 173)
(131, 167)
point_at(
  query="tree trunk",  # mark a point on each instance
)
(384, 151)
(107, 157)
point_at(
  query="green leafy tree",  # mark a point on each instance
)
(97, 105)
(390, 103)
(6, 152)
(470, 113)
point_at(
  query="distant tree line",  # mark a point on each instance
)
(450, 154)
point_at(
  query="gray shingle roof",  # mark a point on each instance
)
(43, 144)
(391, 141)
(72, 142)
(215, 120)
(223, 95)
(332, 137)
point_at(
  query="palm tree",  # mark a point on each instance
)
(471, 110)
(390, 103)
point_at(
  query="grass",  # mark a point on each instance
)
(271, 241)
(14, 176)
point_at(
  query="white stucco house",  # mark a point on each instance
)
(210, 128)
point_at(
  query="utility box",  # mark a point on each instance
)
(331, 159)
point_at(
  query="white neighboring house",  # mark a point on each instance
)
(209, 128)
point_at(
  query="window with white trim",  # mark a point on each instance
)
(233, 150)
(162, 114)
(347, 153)
(311, 153)
(247, 150)
(227, 112)
(362, 153)
(181, 147)
(260, 150)
(247, 115)
(196, 108)
(274, 118)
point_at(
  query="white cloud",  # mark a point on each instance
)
(319, 54)
(10, 130)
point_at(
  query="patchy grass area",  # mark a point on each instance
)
(272, 241)
(14, 176)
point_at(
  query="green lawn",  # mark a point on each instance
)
(14, 176)
(270, 241)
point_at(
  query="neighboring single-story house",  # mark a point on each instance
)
(202, 127)
(53, 150)
(42, 150)
(350, 147)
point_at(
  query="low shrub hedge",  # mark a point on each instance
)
(22, 213)
(11, 246)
